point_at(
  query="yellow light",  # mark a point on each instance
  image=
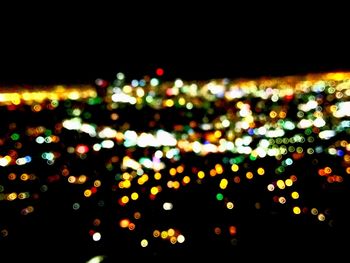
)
(87, 192)
(182, 101)
(273, 114)
(289, 182)
(200, 174)
(154, 190)
(157, 176)
(261, 171)
(176, 185)
(296, 210)
(171, 232)
(234, 167)
(24, 177)
(321, 217)
(280, 184)
(71, 179)
(126, 176)
(134, 196)
(218, 168)
(314, 211)
(97, 183)
(169, 103)
(144, 243)
(186, 179)
(164, 234)
(223, 183)
(217, 134)
(295, 195)
(125, 199)
(12, 196)
(249, 175)
(230, 205)
(172, 171)
(82, 179)
(126, 184)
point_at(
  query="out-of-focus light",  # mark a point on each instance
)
(144, 243)
(167, 206)
(296, 210)
(96, 236)
(96, 259)
(180, 239)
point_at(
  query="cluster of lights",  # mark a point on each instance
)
(243, 125)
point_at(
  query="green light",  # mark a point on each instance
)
(219, 197)
(15, 136)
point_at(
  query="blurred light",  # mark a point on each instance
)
(96, 236)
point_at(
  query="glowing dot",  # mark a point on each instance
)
(217, 230)
(234, 167)
(296, 210)
(76, 206)
(154, 190)
(173, 240)
(200, 174)
(232, 230)
(223, 183)
(230, 205)
(120, 76)
(87, 192)
(314, 211)
(144, 243)
(157, 176)
(289, 182)
(137, 215)
(134, 196)
(249, 175)
(172, 171)
(12, 196)
(282, 200)
(219, 197)
(125, 199)
(171, 232)
(261, 171)
(164, 234)
(167, 206)
(131, 226)
(295, 195)
(156, 233)
(124, 223)
(96, 236)
(270, 187)
(180, 239)
(97, 183)
(321, 217)
(280, 184)
(186, 179)
(159, 71)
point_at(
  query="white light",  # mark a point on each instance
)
(154, 82)
(40, 140)
(97, 147)
(107, 133)
(327, 134)
(180, 239)
(89, 129)
(72, 124)
(96, 236)
(107, 144)
(178, 83)
(225, 123)
(319, 122)
(120, 76)
(167, 206)
(158, 154)
(144, 243)
(96, 259)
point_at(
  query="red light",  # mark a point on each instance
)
(160, 71)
